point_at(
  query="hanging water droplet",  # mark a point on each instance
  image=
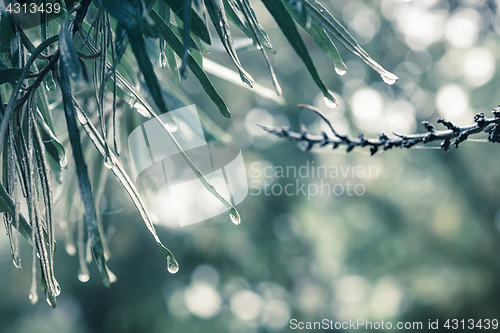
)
(57, 287)
(142, 110)
(330, 103)
(340, 71)
(170, 123)
(112, 276)
(172, 126)
(108, 162)
(163, 59)
(172, 265)
(234, 216)
(70, 249)
(390, 80)
(33, 297)
(83, 277)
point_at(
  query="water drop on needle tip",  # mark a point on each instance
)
(340, 71)
(389, 80)
(331, 104)
(83, 277)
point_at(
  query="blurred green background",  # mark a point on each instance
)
(421, 243)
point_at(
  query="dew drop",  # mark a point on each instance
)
(58, 288)
(340, 71)
(163, 59)
(112, 276)
(108, 162)
(83, 277)
(234, 216)
(170, 123)
(259, 47)
(172, 265)
(308, 22)
(81, 118)
(70, 249)
(390, 80)
(172, 126)
(330, 103)
(142, 110)
(33, 298)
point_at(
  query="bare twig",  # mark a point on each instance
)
(454, 135)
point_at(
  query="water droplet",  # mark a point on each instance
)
(172, 265)
(234, 216)
(390, 80)
(108, 162)
(83, 277)
(81, 118)
(340, 71)
(70, 249)
(58, 288)
(170, 122)
(50, 83)
(142, 110)
(33, 298)
(163, 59)
(330, 103)
(132, 101)
(259, 47)
(112, 276)
(308, 22)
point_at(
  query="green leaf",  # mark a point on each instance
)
(320, 14)
(6, 34)
(165, 49)
(13, 97)
(13, 74)
(129, 15)
(126, 182)
(55, 149)
(7, 205)
(250, 16)
(319, 35)
(259, 38)
(83, 177)
(287, 25)
(217, 14)
(176, 45)
(138, 45)
(68, 52)
(186, 37)
(198, 27)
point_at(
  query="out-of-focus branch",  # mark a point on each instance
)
(453, 135)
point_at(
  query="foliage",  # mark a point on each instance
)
(93, 38)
